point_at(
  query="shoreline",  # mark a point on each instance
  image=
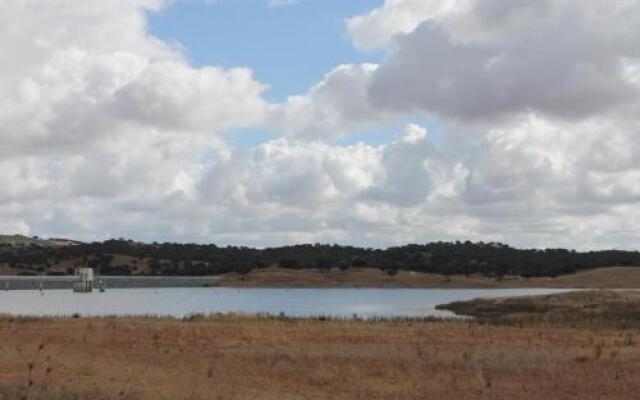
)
(600, 278)
(354, 278)
(110, 282)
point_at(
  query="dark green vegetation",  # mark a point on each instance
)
(124, 257)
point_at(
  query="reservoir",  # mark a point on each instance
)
(180, 302)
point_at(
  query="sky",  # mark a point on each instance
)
(363, 122)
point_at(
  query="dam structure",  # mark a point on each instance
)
(83, 282)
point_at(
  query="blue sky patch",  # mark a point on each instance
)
(289, 47)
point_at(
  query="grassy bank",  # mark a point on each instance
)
(586, 309)
(269, 358)
(602, 278)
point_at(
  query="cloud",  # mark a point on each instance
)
(538, 101)
(530, 183)
(281, 3)
(411, 161)
(271, 3)
(477, 62)
(298, 191)
(97, 114)
(379, 27)
(490, 62)
(177, 96)
(76, 73)
(109, 131)
(332, 108)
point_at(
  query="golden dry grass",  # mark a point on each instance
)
(601, 278)
(258, 358)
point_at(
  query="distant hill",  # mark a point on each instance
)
(26, 241)
(34, 256)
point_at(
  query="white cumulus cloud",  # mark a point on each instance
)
(107, 130)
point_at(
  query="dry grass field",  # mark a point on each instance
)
(233, 357)
(601, 278)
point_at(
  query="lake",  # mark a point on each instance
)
(179, 302)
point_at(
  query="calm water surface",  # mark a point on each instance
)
(293, 302)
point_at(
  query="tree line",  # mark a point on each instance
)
(447, 258)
